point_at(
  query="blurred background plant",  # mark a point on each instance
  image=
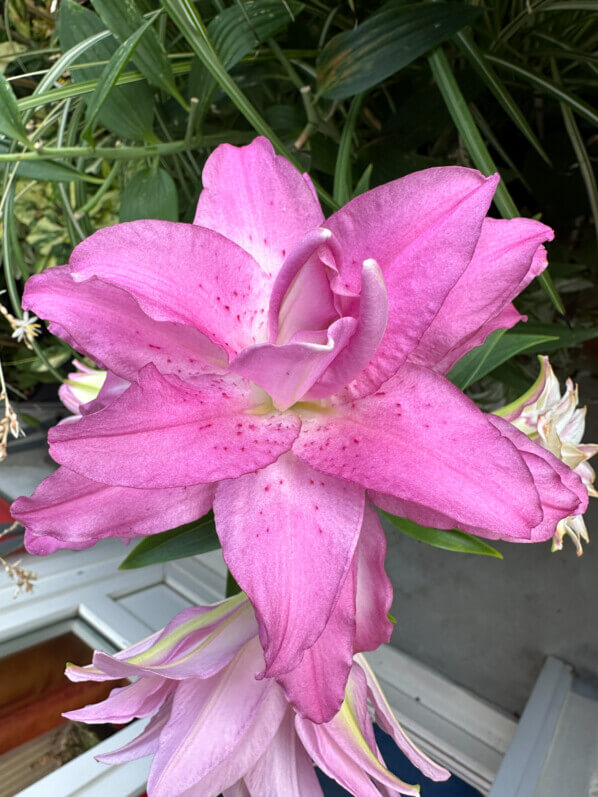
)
(108, 110)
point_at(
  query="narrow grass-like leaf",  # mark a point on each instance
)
(109, 76)
(447, 539)
(558, 335)
(586, 167)
(188, 540)
(465, 124)
(234, 33)
(11, 124)
(575, 103)
(343, 180)
(500, 91)
(123, 18)
(38, 168)
(498, 347)
(150, 194)
(387, 41)
(187, 18)
(363, 184)
(128, 111)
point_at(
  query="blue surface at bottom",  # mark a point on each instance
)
(402, 768)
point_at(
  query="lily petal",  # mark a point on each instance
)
(508, 255)
(374, 588)
(217, 730)
(70, 511)
(146, 743)
(386, 720)
(420, 439)
(285, 768)
(371, 325)
(124, 703)
(288, 372)
(422, 231)
(136, 441)
(316, 686)
(288, 533)
(258, 200)
(183, 273)
(107, 324)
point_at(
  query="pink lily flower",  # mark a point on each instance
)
(281, 365)
(215, 729)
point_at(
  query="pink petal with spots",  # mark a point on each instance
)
(288, 534)
(560, 491)
(508, 255)
(163, 432)
(182, 273)
(420, 439)
(70, 511)
(422, 231)
(258, 200)
(107, 324)
(288, 372)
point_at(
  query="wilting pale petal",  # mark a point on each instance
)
(107, 324)
(146, 743)
(386, 720)
(70, 511)
(316, 686)
(285, 768)
(258, 200)
(288, 372)
(209, 720)
(342, 751)
(288, 534)
(163, 432)
(198, 648)
(507, 253)
(82, 386)
(183, 273)
(371, 325)
(420, 439)
(422, 231)
(141, 699)
(373, 588)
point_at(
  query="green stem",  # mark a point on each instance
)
(119, 153)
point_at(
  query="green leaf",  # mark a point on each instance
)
(465, 124)
(237, 31)
(558, 336)
(343, 180)
(123, 17)
(129, 110)
(188, 540)
(363, 184)
(11, 124)
(387, 41)
(447, 539)
(110, 75)
(150, 194)
(500, 91)
(498, 347)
